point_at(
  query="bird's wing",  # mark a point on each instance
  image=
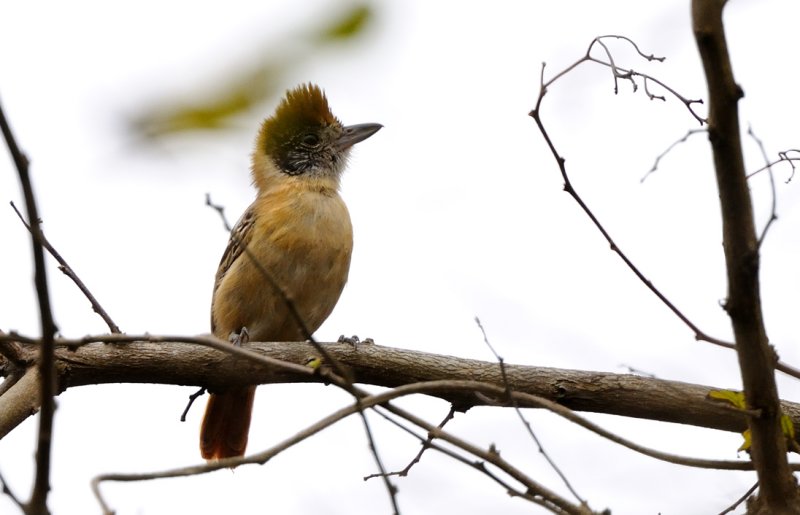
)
(241, 235)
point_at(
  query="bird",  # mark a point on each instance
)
(288, 256)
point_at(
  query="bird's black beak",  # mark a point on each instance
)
(352, 134)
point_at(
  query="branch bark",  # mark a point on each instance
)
(778, 490)
(180, 363)
(20, 401)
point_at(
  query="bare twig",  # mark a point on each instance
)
(8, 492)
(193, 397)
(669, 149)
(536, 115)
(69, 272)
(773, 215)
(522, 418)
(368, 401)
(37, 505)
(629, 74)
(390, 488)
(480, 466)
(652, 96)
(783, 157)
(740, 500)
(649, 57)
(568, 414)
(427, 443)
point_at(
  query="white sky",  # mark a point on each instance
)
(458, 211)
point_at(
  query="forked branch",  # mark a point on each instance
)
(628, 74)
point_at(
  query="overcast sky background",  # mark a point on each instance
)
(458, 212)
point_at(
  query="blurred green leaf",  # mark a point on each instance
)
(737, 399)
(350, 24)
(730, 396)
(239, 95)
(254, 84)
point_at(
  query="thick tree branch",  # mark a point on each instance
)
(179, 363)
(20, 401)
(778, 490)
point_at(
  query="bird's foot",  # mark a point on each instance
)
(355, 341)
(240, 338)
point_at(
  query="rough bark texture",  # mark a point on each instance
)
(189, 364)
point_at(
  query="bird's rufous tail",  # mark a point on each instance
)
(226, 423)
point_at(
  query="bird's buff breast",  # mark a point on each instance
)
(303, 240)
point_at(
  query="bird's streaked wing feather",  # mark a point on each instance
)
(240, 237)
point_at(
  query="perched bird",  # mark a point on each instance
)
(292, 245)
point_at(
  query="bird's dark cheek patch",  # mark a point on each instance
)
(293, 163)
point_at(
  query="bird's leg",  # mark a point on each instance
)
(240, 338)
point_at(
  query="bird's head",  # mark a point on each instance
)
(303, 139)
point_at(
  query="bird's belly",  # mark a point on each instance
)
(300, 257)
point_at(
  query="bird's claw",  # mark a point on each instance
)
(355, 341)
(240, 338)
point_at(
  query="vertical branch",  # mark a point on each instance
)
(778, 491)
(41, 487)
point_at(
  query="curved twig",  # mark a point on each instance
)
(510, 398)
(568, 187)
(369, 401)
(783, 156)
(773, 215)
(740, 500)
(427, 443)
(674, 144)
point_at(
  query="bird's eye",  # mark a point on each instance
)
(311, 139)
